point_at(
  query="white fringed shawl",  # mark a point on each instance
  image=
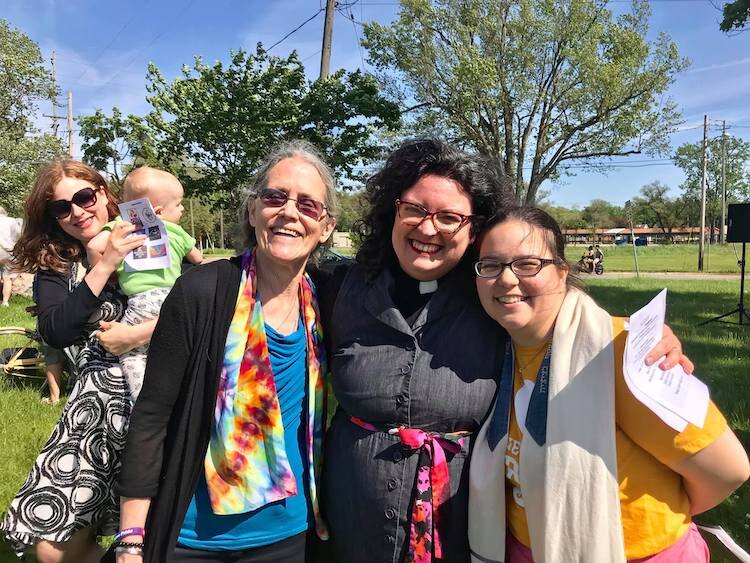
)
(569, 485)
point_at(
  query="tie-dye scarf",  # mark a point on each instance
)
(246, 462)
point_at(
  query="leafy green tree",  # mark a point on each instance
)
(689, 158)
(116, 143)
(352, 206)
(600, 214)
(566, 218)
(655, 207)
(23, 82)
(19, 160)
(536, 84)
(736, 15)
(215, 123)
(200, 220)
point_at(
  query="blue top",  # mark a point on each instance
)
(201, 528)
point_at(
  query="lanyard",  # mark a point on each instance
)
(536, 415)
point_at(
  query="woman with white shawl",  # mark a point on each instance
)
(570, 466)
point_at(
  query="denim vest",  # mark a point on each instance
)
(440, 375)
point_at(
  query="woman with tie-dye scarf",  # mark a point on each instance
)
(224, 445)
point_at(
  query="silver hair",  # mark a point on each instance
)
(288, 149)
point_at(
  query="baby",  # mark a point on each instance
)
(146, 290)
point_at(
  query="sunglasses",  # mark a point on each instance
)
(61, 208)
(307, 206)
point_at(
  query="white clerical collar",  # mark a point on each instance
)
(428, 286)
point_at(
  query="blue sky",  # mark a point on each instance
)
(104, 47)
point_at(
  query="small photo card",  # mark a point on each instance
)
(154, 254)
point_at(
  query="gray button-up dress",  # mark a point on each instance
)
(440, 374)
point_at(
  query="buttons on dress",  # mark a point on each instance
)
(390, 539)
(392, 484)
(390, 513)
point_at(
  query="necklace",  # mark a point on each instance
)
(283, 324)
(283, 328)
(522, 368)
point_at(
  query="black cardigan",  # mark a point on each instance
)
(171, 421)
(62, 316)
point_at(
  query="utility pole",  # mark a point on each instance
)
(55, 124)
(192, 219)
(702, 239)
(723, 180)
(325, 57)
(70, 124)
(629, 216)
(221, 226)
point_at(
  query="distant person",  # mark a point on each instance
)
(146, 290)
(10, 230)
(588, 259)
(598, 255)
(54, 367)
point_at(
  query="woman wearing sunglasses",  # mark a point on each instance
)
(415, 361)
(570, 466)
(67, 497)
(224, 443)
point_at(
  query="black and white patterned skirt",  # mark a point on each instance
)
(70, 485)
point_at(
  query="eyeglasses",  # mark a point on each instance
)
(522, 267)
(61, 208)
(306, 205)
(447, 222)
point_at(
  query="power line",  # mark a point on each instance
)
(350, 17)
(311, 56)
(104, 50)
(154, 40)
(296, 29)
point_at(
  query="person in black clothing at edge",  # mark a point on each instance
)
(67, 498)
(415, 361)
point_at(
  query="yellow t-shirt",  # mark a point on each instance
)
(655, 508)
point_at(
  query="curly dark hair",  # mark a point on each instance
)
(480, 177)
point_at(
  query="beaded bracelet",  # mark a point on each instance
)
(138, 544)
(130, 532)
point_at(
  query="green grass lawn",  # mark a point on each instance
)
(721, 353)
(667, 258)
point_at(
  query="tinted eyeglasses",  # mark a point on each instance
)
(307, 206)
(522, 267)
(61, 208)
(448, 222)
